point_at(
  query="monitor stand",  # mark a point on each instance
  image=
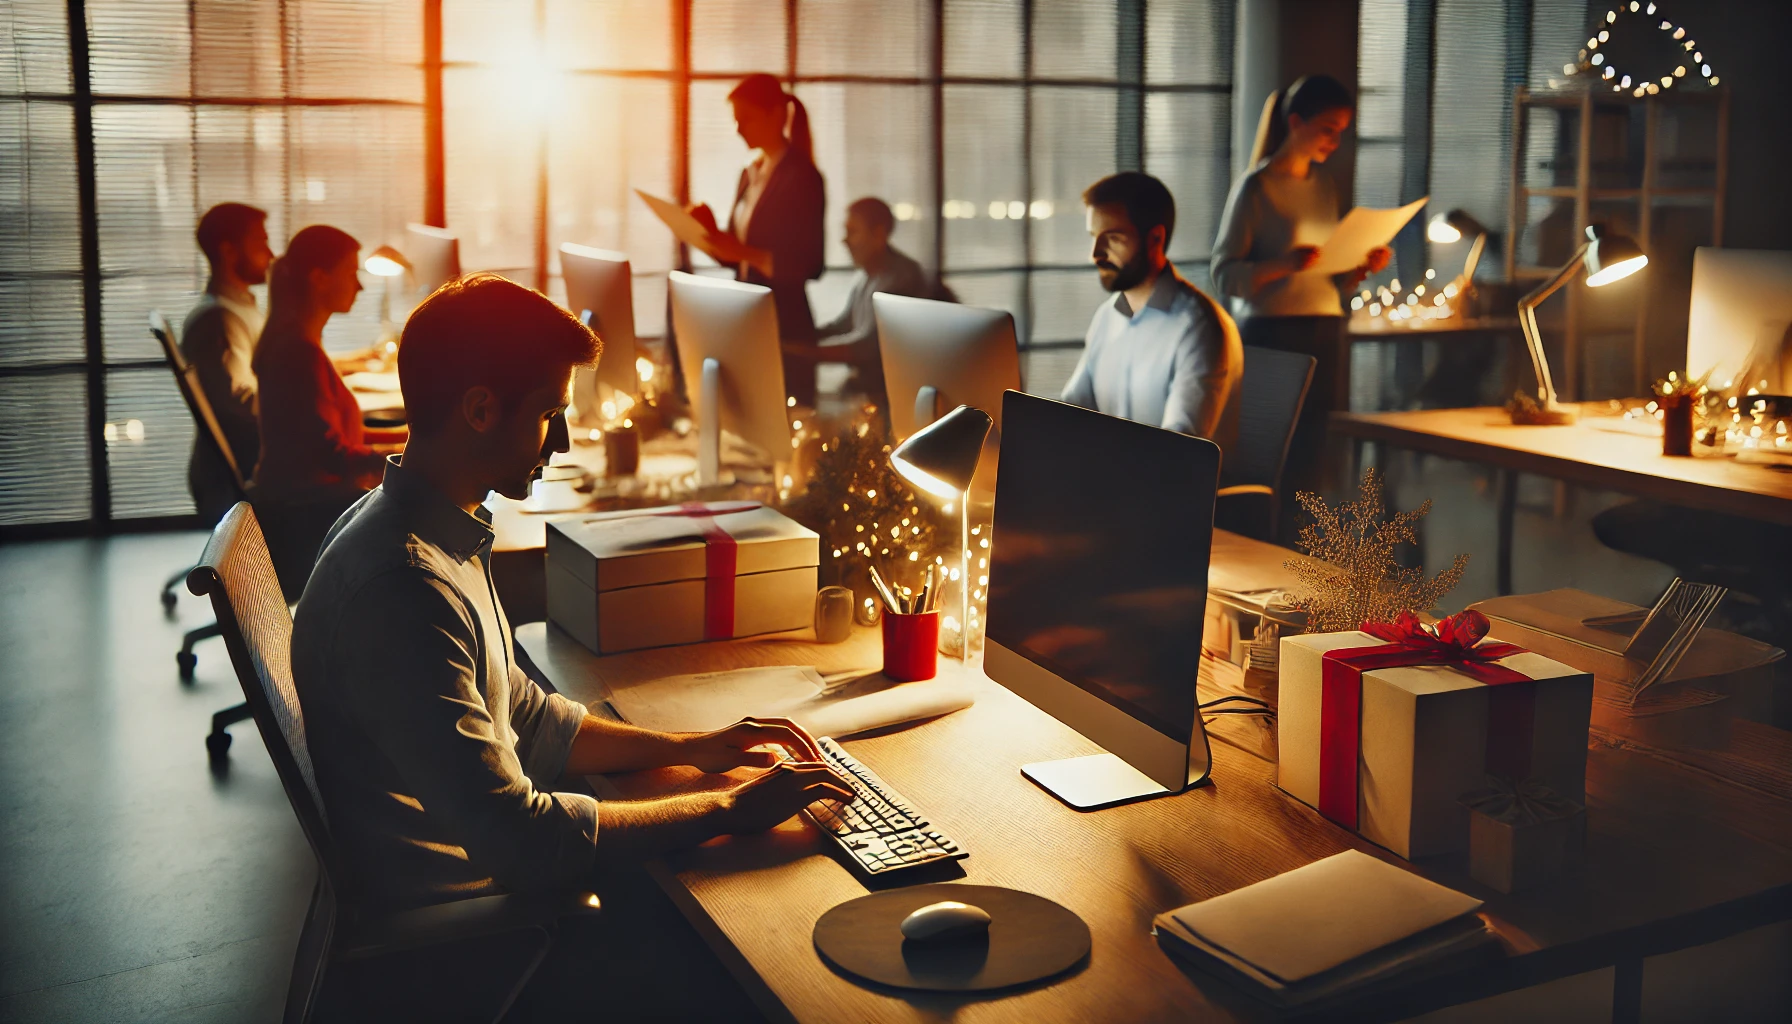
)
(709, 425)
(927, 405)
(1098, 780)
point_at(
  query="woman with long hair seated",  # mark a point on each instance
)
(316, 457)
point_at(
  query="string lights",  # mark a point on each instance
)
(1596, 59)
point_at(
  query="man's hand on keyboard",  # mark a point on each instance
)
(774, 796)
(733, 747)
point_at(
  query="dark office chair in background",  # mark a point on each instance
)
(238, 575)
(1269, 395)
(217, 742)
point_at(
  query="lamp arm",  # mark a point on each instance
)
(1527, 320)
(1474, 258)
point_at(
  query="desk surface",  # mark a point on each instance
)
(1656, 837)
(1383, 329)
(1582, 454)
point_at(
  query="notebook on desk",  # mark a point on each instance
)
(1320, 932)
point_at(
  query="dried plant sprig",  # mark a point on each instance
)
(1358, 577)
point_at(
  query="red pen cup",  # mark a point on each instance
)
(911, 646)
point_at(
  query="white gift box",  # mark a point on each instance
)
(620, 581)
(1423, 738)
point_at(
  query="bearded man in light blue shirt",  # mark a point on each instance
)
(1162, 352)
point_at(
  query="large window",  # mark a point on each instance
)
(117, 129)
(979, 121)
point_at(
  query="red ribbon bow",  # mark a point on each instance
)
(721, 553)
(1456, 642)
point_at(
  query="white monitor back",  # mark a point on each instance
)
(967, 354)
(1740, 324)
(434, 254)
(601, 281)
(735, 324)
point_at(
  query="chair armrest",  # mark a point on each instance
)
(461, 919)
(1235, 489)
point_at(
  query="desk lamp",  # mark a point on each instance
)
(941, 459)
(390, 264)
(1450, 227)
(1607, 258)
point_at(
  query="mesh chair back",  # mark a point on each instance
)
(239, 576)
(186, 377)
(1270, 395)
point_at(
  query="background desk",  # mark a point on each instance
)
(1579, 454)
(1461, 361)
(1675, 858)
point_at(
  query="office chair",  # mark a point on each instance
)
(186, 377)
(238, 575)
(1269, 395)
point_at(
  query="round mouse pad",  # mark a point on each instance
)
(1029, 938)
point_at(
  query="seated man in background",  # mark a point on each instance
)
(1162, 352)
(435, 755)
(218, 339)
(851, 337)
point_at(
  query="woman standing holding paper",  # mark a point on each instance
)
(1278, 214)
(774, 234)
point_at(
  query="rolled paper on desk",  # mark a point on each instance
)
(894, 705)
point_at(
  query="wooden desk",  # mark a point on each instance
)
(1669, 869)
(1580, 454)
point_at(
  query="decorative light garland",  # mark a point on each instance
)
(1593, 60)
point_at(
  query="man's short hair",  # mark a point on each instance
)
(874, 212)
(226, 222)
(1148, 203)
(484, 329)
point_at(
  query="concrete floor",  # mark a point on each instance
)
(137, 886)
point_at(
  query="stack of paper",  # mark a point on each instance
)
(715, 700)
(1324, 930)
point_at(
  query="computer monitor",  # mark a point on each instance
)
(941, 355)
(1097, 592)
(599, 282)
(434, 254)
(1740, 325)
(728, 349)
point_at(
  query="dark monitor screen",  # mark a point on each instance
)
(1098, 558)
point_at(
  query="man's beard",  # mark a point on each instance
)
(1119, 279)
(248, 273)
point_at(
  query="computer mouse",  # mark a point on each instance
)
(949, 919)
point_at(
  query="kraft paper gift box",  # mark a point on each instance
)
(1388, 751)
(1522, 835)
(653, 577)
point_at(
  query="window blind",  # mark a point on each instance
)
(309, 109)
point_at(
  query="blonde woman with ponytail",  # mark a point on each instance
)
(774, 232)
(1278, 214)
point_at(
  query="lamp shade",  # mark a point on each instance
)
(386, 262)
(1611, 257)
(941, 458)
(1452, 226)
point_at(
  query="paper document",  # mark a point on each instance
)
(1314, 918)
(715, 700)
(1361, 230)
(682, 224)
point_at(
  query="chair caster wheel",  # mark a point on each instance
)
(188, 661)
(217, 745)
(169, 600)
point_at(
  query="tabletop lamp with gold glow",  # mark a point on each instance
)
(1447, 228)
(940, 459)
(390, 264)
(1606, 258)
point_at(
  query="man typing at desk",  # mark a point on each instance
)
(436, 756)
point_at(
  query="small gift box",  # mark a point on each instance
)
(652, 577)
(1522, 834)
(1383, 730)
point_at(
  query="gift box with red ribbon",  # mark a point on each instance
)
(652, 577)
(1384, 729)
